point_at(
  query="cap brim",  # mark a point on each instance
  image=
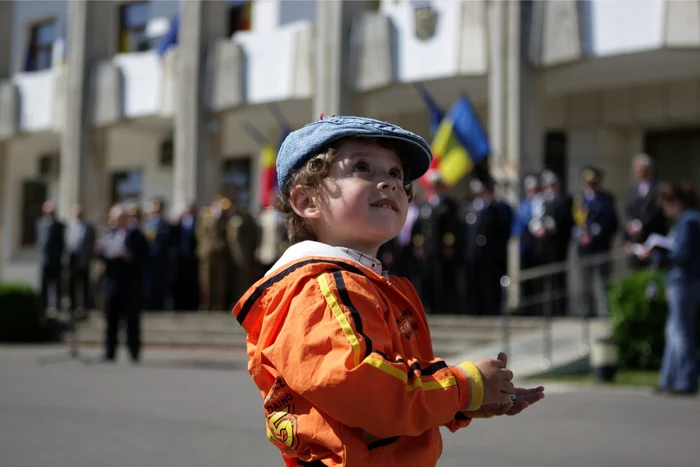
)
(416, 160)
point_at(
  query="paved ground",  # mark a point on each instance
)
(168, 413)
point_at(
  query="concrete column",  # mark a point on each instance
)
(3, 188)
(496, 80)
(97, 184)
(214, 159)
(6, 18)
(201, 22)
(87, 43)
(333, 21)
(514, 62)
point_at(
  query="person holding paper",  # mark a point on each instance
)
(679, 368)
(643, 214)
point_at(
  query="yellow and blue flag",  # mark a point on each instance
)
(460, 142)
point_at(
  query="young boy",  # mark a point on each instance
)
(340, 351)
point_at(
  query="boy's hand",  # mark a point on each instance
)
(497, 379)
(523, 399)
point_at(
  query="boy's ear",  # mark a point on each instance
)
(303, 203)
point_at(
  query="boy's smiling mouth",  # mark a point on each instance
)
(386, 203)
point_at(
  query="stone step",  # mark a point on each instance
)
(450, 334)
(95, 338)
(446, 334)
(172, 339)
(215, 321)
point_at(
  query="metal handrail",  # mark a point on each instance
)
(564, 266)
(548, 296)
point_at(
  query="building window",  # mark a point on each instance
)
(127, 186)
(133, 22)
(41, 38)
(238, 16)
(236, 180)
(555, 155)
(34, 193)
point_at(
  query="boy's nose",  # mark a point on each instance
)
(384, 185)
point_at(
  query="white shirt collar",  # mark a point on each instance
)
(310, 248)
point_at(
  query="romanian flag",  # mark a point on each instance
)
(268, 170)
(460, 142)
(268, 174)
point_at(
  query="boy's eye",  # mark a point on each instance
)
(396, 173)
(361, 167)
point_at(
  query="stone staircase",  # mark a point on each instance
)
(219, 330)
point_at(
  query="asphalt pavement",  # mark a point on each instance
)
(188, 409)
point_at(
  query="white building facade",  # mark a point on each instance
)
(95, 109)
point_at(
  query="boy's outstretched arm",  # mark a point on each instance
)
(337, 351)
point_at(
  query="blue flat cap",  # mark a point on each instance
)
(305, 143)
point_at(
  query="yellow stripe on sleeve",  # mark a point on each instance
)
(417, 382)
(340, 317)
(476, 385)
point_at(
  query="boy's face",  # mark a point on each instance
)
(362, 203)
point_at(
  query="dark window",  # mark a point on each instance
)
(34, 194)
(41, 39)
(676, 153)
(133, 19)
(238, 17)
(127, 186)
(236, 180)
(167, 153)
(555, 156)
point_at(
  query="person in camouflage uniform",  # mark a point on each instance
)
(244, 235)
(215, 256)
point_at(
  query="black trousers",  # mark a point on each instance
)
(531, 290)
(185, 289)
(120, 307)
(484, 293)
(79, 284)
(51, 279)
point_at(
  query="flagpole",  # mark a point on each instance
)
(255, 134)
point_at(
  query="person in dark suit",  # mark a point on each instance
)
(436, 233)
(80, 240)
(597, 224)
(50, 249)
(405, 263)
(643, 214)
(554, 235)
(158, 233)
(122, 251)
(488, 224)
(186, 279)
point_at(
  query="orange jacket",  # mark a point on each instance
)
(344, 362)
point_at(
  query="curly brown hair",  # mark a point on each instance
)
(311, 176)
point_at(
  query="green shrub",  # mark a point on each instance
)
(639, 319)
(20, 314)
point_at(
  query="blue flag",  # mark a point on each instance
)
(171, 37)
(467, 126)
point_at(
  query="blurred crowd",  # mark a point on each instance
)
(454, 251)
